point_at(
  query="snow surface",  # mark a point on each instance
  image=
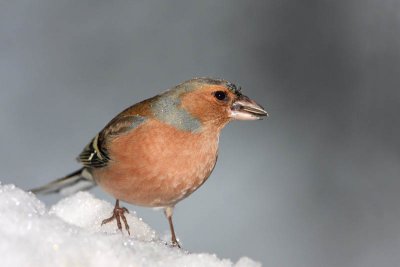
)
(70, 234)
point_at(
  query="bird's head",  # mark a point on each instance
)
(215, 102)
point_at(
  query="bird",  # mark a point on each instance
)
(159, 151)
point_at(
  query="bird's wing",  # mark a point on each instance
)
(95, 154)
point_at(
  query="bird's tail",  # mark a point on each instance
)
(67, 185)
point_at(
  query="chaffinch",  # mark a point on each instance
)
(159, 151)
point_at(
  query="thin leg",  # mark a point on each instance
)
(168, 213)
(118, 214)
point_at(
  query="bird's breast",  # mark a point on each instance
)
(157, 164)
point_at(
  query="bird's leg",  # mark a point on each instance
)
(168, 213)
(118, 214)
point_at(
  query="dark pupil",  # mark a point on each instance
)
(220, 95)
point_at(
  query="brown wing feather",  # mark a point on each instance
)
(95, 154)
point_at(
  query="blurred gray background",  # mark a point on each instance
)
(316, 184)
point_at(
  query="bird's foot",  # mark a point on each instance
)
(118, 214)
(175, 244)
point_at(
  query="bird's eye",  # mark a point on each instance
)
(220, 95)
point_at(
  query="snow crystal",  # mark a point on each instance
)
(70, 234)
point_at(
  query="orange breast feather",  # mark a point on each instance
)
(157, 164)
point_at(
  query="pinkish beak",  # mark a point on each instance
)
(246, 109)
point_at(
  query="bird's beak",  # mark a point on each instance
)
(246, 109)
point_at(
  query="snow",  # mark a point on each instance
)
(70, 234)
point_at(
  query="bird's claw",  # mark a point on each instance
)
(118, 214)
(175, 244)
